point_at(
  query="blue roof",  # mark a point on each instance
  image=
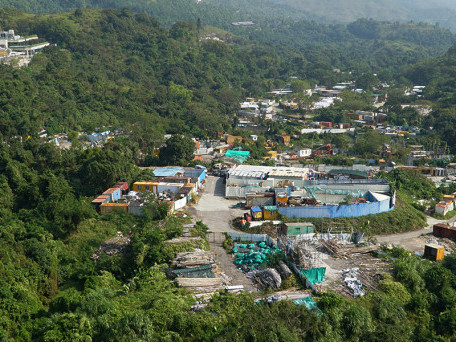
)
(167, 172)
(255, 209)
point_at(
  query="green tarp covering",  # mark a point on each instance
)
(315, 275)
(239, 156)
(203, 271)
(309, 303)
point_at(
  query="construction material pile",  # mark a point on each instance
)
(342, 251)
(113, 246)
(268, 278)
(350, 277)
(200, 264)
(250, 256)
(190, 259)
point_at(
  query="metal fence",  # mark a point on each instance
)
(334, 211)
(252, 237)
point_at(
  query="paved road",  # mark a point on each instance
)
(214, 209)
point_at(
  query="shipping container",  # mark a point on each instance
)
(136, 209)
(294, 229)
(444, 231)
(434, 252)
(122, 185)
(256, 213)
(145, 186)
(106, 208)
(115, 194)
(271, 212)
(100, 200)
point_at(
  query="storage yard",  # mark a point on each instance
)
(303, 192)
(324, 260)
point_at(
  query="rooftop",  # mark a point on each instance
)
(348, 172)
(167, 171)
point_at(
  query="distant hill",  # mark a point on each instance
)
(442, 12)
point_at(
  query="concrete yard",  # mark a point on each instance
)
(214, 209)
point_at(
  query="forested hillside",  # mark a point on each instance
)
(112, 68)
(285, 23)
(115, 68)
(439, 75)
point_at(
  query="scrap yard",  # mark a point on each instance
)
(328, 258)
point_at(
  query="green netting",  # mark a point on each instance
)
(314, 275)
(309, 303)
(357, 193)
(239, 156)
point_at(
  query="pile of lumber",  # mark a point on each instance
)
(182, 239)
(332, 247)
(345, 252)
(201, 285)
(190, 259)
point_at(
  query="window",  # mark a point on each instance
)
(147, 187)
(139, 187)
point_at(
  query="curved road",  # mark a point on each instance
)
(409, 240)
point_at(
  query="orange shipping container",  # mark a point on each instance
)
(107, 208)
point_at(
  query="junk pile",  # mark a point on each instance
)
(250, 257)
(268, 278)
(350, 277)
(113, 246)
(200, 264)
(197, 271)
(282, 295)
(309, 303)
(339, 251)
(314, 275)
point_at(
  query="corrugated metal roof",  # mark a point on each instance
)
(166, 172)
(255, 171)
(293, 172)
(271, 208)
(255, 209)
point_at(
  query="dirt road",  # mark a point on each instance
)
(410, 240)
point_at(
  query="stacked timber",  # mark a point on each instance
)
(182, 239)
(344, 252)
(332, 247)
(201, 285)
(191, 259)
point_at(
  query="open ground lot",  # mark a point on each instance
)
(214, 209)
